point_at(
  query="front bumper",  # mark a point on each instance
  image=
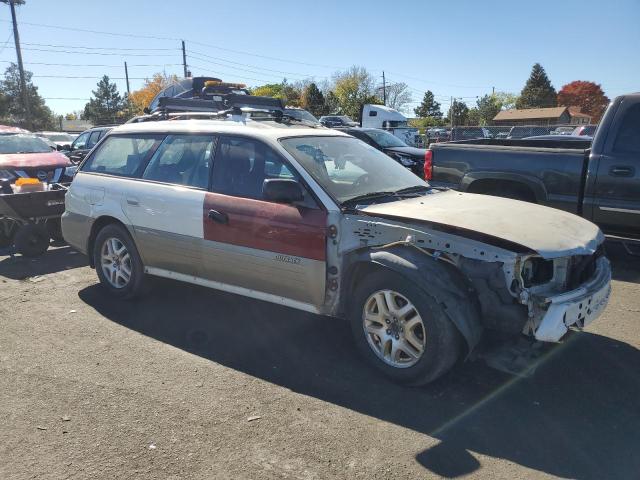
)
(577, 308)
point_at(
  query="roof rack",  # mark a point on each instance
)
(217, 102)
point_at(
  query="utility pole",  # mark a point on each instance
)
(384, 90)
(452, 104)
(126, 75)
(16, 41)
(493, 91)
(184, 60)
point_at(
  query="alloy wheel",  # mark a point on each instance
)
(116, 263)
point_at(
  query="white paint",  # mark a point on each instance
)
(620, 210)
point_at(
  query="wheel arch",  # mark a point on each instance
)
(440, 280)
(98, 225)
(483, 182)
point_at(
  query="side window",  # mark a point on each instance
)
(81, 141)
(242, 165)
(121, 155)
(628, 139)
(182, 160)
(93, 139)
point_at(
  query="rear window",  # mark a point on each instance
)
(628, 139)
(121, 155)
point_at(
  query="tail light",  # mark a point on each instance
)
(428, 165)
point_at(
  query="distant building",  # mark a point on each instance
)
(542, 116)
(74, 126)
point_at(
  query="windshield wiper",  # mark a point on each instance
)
(367, 196)
(413, 189)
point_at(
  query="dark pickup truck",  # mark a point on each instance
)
(598, 180)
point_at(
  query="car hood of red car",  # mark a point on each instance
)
(45, 160)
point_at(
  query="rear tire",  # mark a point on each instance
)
(54, 227)
(437, 340)
(118, 263)
(32, 239)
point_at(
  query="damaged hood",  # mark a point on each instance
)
(548, 231)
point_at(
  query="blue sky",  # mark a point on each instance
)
(459, 49)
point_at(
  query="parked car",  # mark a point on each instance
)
(58, 139)
(84, 142)
(588, 130)
(392, 121)
(598, 179)
(333, 121)
(317, 220)
(409, 157)
(301, 114)
(562, 130)
(467, 133)
(26, 156)
(6, 129)
(528, 131)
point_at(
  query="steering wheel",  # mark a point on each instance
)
(362, 181)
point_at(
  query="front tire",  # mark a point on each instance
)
(402, 330)
(118, 263)
(32, 239)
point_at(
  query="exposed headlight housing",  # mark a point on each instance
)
(406, 161)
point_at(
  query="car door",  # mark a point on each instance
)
(78, 148)
(165, 205)
(617, 186)
(267, 248)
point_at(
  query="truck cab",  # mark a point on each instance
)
(391, 120)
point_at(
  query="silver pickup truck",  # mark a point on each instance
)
(320, 221)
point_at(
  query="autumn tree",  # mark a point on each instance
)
(586, 95)
(429, 107)
(506, 100)
(398, 95)
(353, 88)
(312, 100)
(289, 93)
(538, 91)
(140, 99)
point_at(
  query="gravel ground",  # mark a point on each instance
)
(191, 383)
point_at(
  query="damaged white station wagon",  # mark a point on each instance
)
(317, 220)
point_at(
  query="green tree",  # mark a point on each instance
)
(458, 113)
(107, 105)
(312, 100)
(474, 117)
(429, 107)
(287, 92)
(538, 91)
(332, 104)
(506, 100)
(487, 107)
(12, 107)
(353, 88)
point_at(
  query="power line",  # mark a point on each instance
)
(88, 77)
(97, 64)
(243, 69)
(100, 53)
(97, 48)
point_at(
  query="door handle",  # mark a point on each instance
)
(621, 171)
(218, 217)
(134, 202)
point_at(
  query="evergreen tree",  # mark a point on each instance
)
(538, 91)
(458, 113)
(12, 106)
(313, 100)
(429, 107)
(488, 107)
(106, 104)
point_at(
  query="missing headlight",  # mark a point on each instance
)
(537, 271)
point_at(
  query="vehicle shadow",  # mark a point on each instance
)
(624, 267)
(54, 260)
(577, 417)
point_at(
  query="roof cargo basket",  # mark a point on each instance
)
(217, 102)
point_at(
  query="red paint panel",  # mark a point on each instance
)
(274, 227)
(34, 160)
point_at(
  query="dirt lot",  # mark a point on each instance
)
(192, 383)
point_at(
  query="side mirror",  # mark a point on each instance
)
(65, 147)
(282, 190)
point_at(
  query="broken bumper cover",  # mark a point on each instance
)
(577, 308)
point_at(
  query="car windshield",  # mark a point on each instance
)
(301, 115)
(22, 143)
(58, 137)
(384, 139)
(348, 168)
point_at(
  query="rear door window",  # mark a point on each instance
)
(93, 139)
(122, 155)
(182, 160)
(628, 139)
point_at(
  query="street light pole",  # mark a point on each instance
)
(16, 41)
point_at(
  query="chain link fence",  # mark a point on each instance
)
(437, 135)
